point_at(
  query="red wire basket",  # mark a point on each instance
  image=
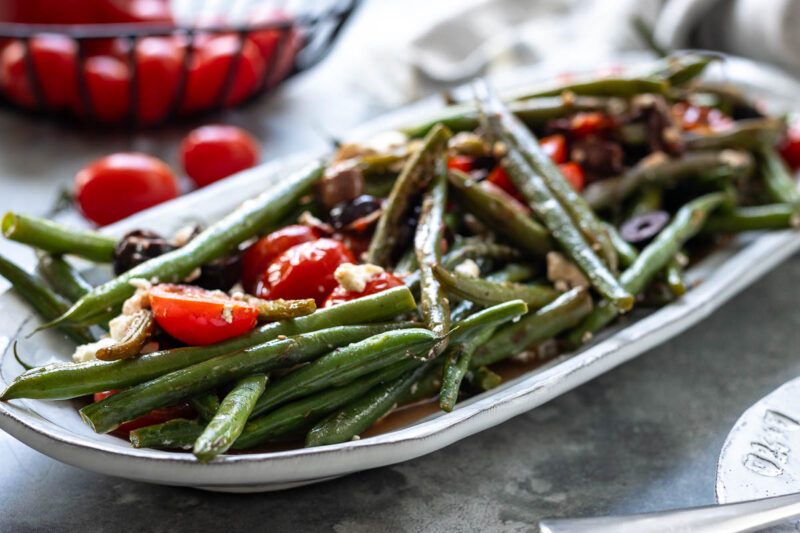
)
(148, 74)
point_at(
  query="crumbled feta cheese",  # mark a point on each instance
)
(140, 299)
(469, 268)
(563, 273)
(237, 292)
(184, 235)
(119, 326)
(88, 352)
(193, 275)
(354, 278)
(140, 283)
(227, 313)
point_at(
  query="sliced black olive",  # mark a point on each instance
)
(641, 229)
(220, 274)
(136, 247)
(345, 213)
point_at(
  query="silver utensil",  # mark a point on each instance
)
(758, 479)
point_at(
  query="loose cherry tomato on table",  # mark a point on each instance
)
(574, 175)
(157, 416)
(265, 250)
(463, 163)
(210, 153)
(54, 61)
(790, 147)
(377, 283)
(118, 185)
(305, 271)
(199, 317)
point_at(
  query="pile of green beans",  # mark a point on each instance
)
(491, 270)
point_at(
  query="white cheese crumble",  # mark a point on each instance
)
(354, 278)
(227, 313)
(88, 352)
(140, 299)
(469, 268)
(563, 273)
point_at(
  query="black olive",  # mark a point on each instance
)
(136, 247)
(345, 213)
(220, 274)
(641, 229)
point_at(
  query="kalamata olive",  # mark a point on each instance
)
(641, 229)
(221, 274)
(345, 213)
(136, 247)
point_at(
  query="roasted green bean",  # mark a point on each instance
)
(54, 238)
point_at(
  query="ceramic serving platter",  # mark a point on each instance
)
(55, 428)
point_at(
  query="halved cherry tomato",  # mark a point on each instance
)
(583, 124)
(305, 271)
(209, 69)
(265, 250)
(574, 174)
(377, 283)
(117, 185)
(211, 153)
(790, 147)
(159, 61)
(199, 317)
(700, 119)
(157, 416)
(500, 179)
(555, 146)
(108, 81)
(464, 163)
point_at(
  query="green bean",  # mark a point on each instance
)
(759, 217)
(343, 366)
(487, 293)
(665, 171)
(496, 211)
(47, 303)
(177, 433)
(62, 277)
(22, 363)
(673, 275)
(139, 331)
(563, 313)
(60, 381)
(483, 378)
(426, 386)
(54, 238)
(680, 69)
(299, 416)
(456, 364)
(512, 272)
(686, 223)
(408, 182)
(249, 219)
(779, 180)
(650, 198)
(229, 421)
(357, 416)
(280, 309)
(749, 134)
(433, 304)
(205, 404)
(591, 85)
(109, 413)
(483, 250)
(627, 254)
(513, 132)
(407, 263)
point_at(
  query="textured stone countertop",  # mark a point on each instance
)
(645, 436)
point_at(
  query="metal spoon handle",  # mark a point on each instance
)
(729, 518)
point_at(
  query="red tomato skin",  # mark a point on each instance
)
(573, 173)
(211, 153)
(108, 82)
(379, 282)
(304, 271)
(159, 62)
(118, 185)
(790, 147)
(583, 124)
(463, 163)
(195, 316)
(700, 119)
(119, 11)
(49, 11)
(262, 252)
(500, 179)
(555, 146)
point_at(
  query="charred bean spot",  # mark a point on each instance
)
(136, 247)
(641, 229)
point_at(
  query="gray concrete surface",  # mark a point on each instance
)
(643, 437)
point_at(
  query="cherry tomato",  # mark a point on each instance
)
(555, 146)
(157, 416)
(209, 69)
(377, 283)
(134, 11)
(515, 202)
(305, 271)
(700, 119)
(54, 61)
(574, 175)
(159, 61)
(267, 42)
(49, 11)
(115, 186)
(463, 163)
(500, 179)
(790, 147)
(199, 317)
(108, 81)
(261, 253)
(210, 153)
(583, 124)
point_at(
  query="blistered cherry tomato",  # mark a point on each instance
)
(210, 153)
(261, 253)
(574, 175)
(463, 163)
(209, 69)
(555, 146)
(108, 81)
(199, 317)
(377, 283)
(790, 147)
(54, 62)
(118, 185)
(583, 124)
(305, 271)
(157, 416)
